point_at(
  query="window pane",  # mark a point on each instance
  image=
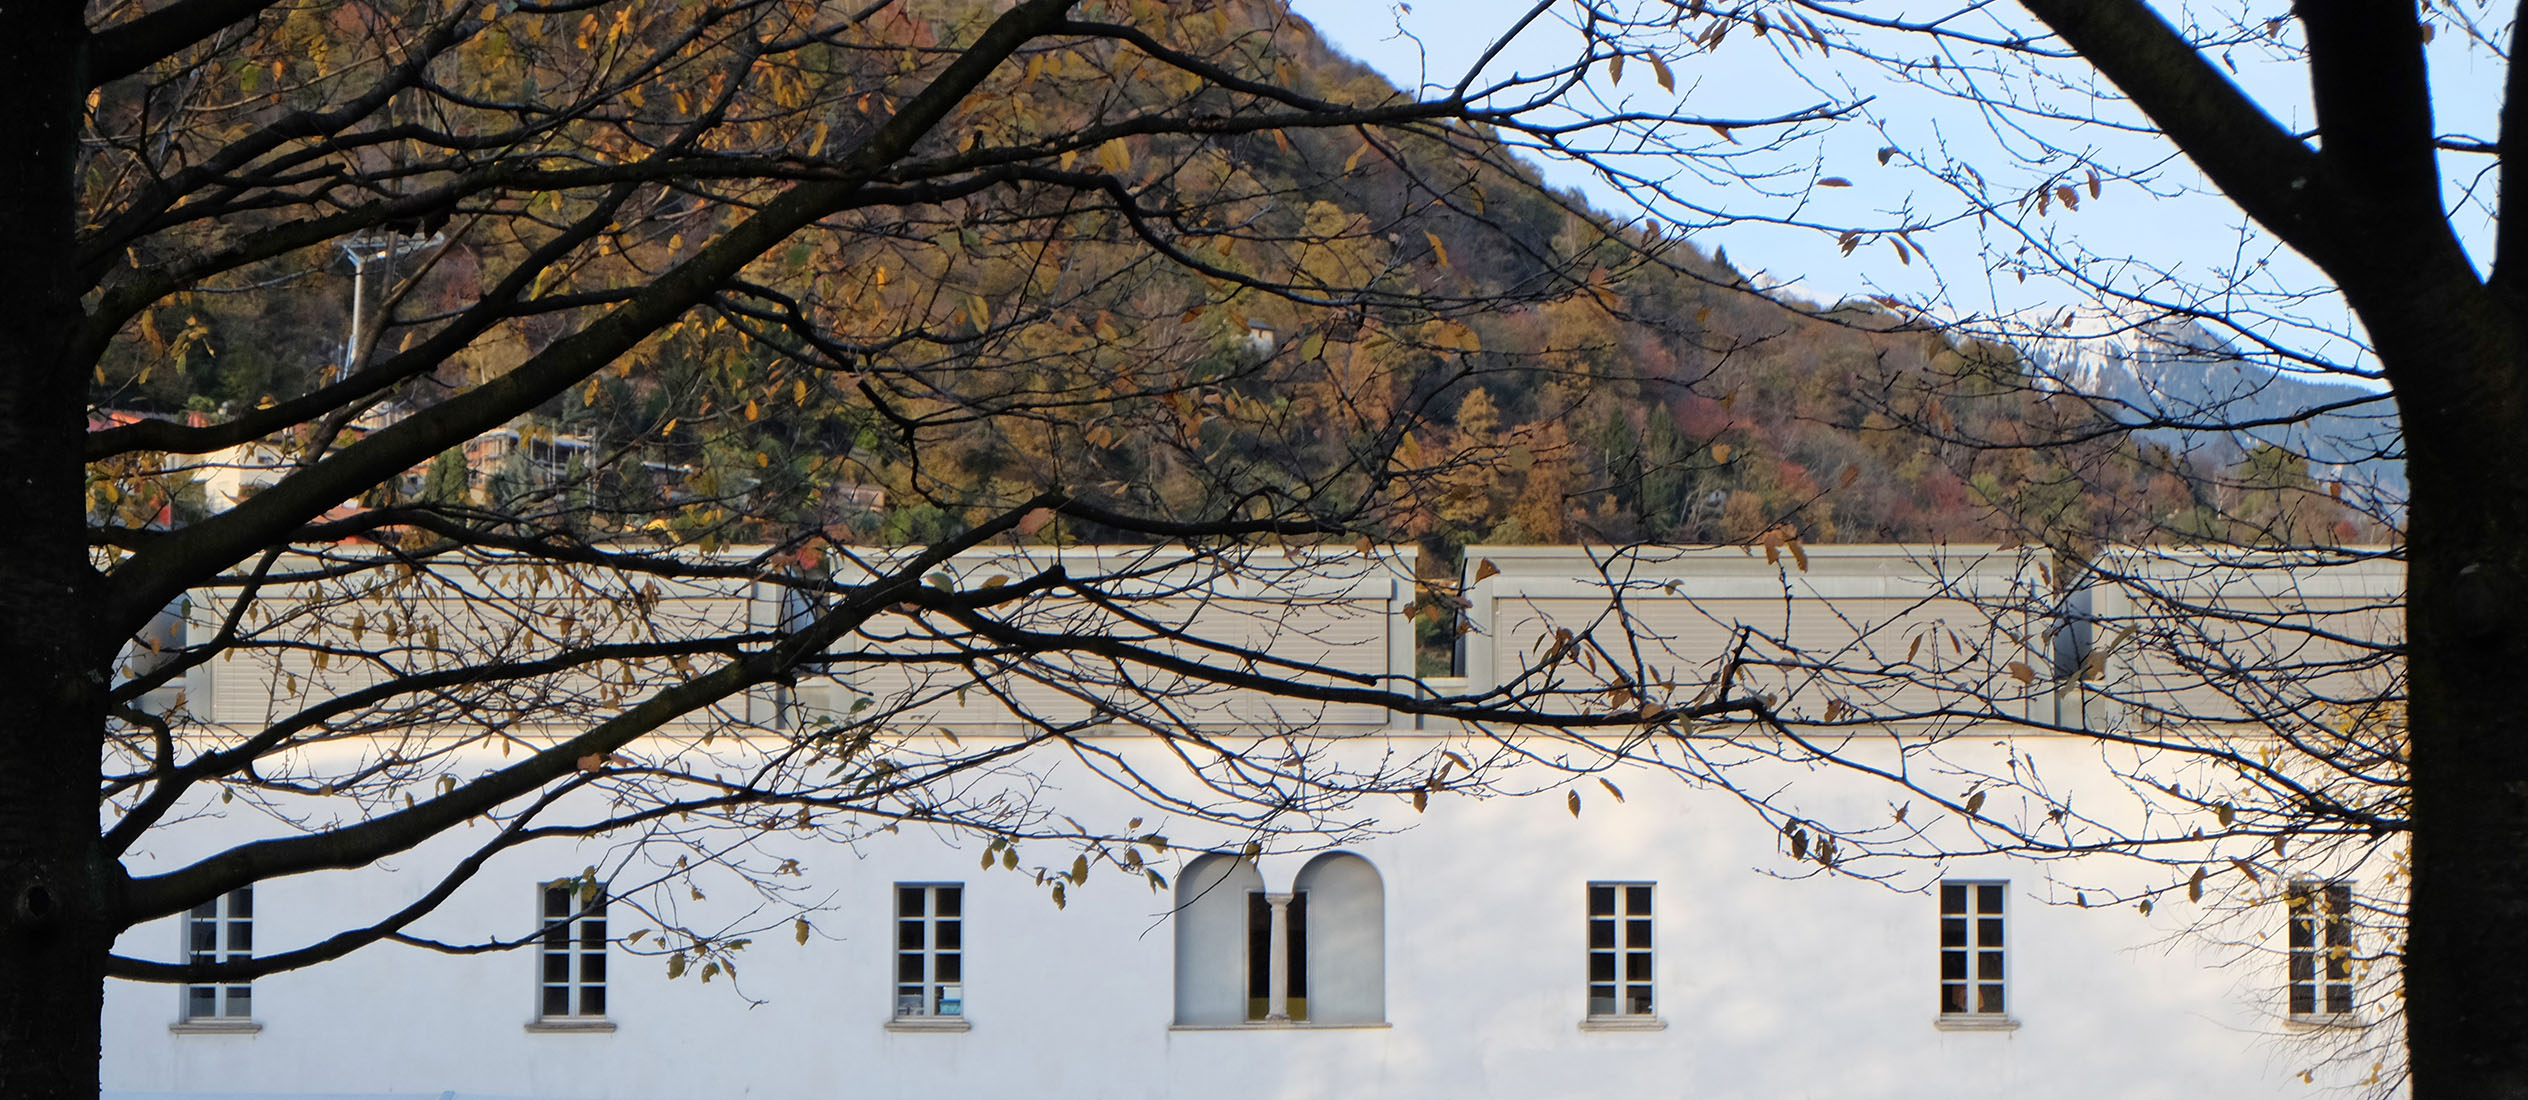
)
(908, 901)
(951, 967)
(241, 1001)
(1988, 966)
(1988, 897)
(201, 1002)
(1987, 931)
(1637, 999)
(1988, 998)
(2303, 934)
(2339, 998)
(908, 935)
(1637, 933)
(950, 935)
(2303, 966)
(1637, 900)
(908, 967)
(1953, 965)
(1601, 1000)
(1259, 948)
(2303, 999)
(1602, 933)
(592, 932)
(1952, 931)
(1601, 901)
(592, 1000)
(1952, 897)
(1295, 922)
(1601, 966)
(950, 900)
(208, 910)
(557, 901)
(592, 968)
(1637, 967)
(557, 967)
(241, 903)
(241, 937)
(1953, 997)
(205, 936)
(557, 1000)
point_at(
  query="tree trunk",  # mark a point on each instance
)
(56, 894)
(2461, 393)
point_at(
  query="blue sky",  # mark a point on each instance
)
(2155, 227)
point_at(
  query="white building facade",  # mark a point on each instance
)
(1633, 928)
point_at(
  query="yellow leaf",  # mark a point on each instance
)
(799, 931)
(2020, 671)
(1574, 802)
(1437, 249)
(1611, 788)
(1720, 453)
(1615, 71)
(752, 410)
(1115, 156)
(1659, 70)
(1485, 570)
(1354, 161)
(799, 393)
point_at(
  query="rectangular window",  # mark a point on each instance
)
(1259, 956)
(1971, 948)
(216, 931)
(930, 950)
(2321, 948)
(572, 983)
(1619, 949)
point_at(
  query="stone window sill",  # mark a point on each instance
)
(591, 1026)
(1623, 1023)
(215, 1027)
(1964, 1021)
(2324, 1021)
(929, 1023)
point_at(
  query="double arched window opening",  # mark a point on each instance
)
(1247, 955)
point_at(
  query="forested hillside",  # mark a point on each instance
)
(1534, 376)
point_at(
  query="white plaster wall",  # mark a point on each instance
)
(1769, 986)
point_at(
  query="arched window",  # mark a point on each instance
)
(1211, 939)
(1316, 954)
(1344, 952)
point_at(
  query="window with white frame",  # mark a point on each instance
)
(2321, 947)
(1971, 953)
(217, 931)
(571, 981)
(1620, 965)
(930, 950)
